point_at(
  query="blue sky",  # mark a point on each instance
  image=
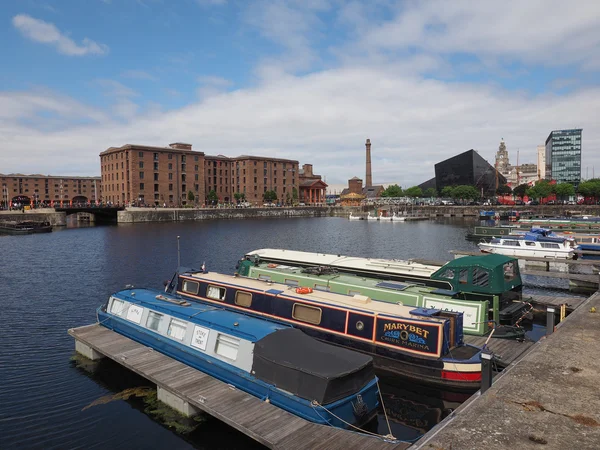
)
(308, 80)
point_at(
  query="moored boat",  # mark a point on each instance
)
(420, 344)
(24, 227)
(321, 383)
(531, 244)
(475, 313)
(496, 279)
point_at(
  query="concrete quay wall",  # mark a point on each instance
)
(56, 219)
(547, 400)
(140, 215)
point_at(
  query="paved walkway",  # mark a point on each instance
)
(548, 400)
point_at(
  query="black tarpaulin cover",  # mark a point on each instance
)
(308, 368)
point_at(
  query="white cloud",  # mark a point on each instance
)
(47, 33)
(324, 119)
(212, 85)
(537, 31)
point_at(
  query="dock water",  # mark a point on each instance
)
(190, 390)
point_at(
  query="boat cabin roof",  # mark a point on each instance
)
(236, 324)
(352, 262)
(355, 302)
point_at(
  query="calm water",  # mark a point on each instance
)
(55, 281)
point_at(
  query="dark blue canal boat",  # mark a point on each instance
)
(423, 345)
(321, 383)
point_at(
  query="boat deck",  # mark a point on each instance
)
(267, 424)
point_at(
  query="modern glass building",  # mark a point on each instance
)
(468, 168)
(563, 156)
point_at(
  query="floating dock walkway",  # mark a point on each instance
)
(547, 400)
(188, 390)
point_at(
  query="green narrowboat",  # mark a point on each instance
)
(475, 313)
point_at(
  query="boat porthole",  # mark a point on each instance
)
(360, 326)
(404, 335)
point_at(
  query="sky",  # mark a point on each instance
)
(309, 80)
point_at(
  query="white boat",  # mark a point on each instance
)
(398, 218)
(370, 217)
(521, 246)
(383, 218)
(351, 217)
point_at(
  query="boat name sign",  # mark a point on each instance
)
(200, 337)
(471, 312)
(424, 338)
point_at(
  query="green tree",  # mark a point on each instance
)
(392, 191)
(414, 192)
(590, 188)
(212, 197)
(295, 194)
(430, 192)
(191, 197)
(503, 190)
(238, 197)
(288, 198)
(270, 196)
(564, 190)
(521, 190)
(465, 192)
(448, 191)
(542, 189)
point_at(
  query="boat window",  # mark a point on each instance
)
(116, 307)
(306, 313)
(351, 292)
(509, 271)
(227, 346)
(191, 287)
(448, 274)
(264, 277)
(291, 282)
(462, 276)
(243, 298)
(481, 277)
(512, 243)
(153, 320)
(549, 245)
(320, 287)
(530, 243)
(177, 329)
(216, 292)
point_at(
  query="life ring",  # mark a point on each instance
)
(304, 290)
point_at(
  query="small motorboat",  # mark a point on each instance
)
(530, 244)
(25, 227)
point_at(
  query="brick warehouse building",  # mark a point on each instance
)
(48, 190)
(150, 175)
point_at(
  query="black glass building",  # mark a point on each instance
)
(563, 156)
(468, 168)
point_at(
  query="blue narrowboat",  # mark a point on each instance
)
(423, 345)
(321, 383)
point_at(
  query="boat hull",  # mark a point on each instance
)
(519, 252)
(343, 409)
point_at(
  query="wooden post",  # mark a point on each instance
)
(549, 320)
(486, 370)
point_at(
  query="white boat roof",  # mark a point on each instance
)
(357, 301)
(392, 266)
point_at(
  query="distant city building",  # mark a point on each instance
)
(312, 187)
(541, 161)
(563, 156)
(502, 163)
(50, 190)
(468, 168)
(151, 175)
(143, 174)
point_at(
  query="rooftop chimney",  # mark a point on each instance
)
(368, 178)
